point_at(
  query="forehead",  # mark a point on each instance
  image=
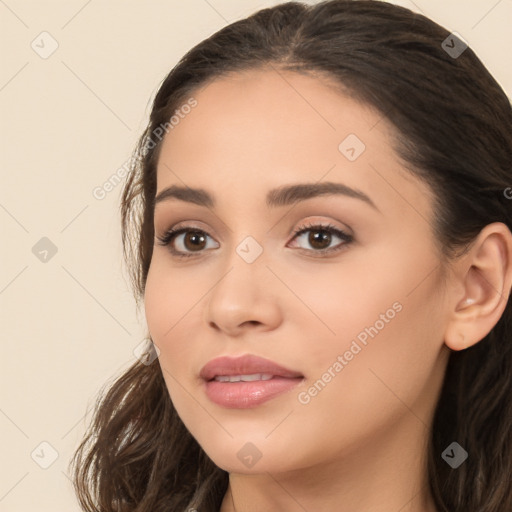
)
(275, 109)
(258, 129)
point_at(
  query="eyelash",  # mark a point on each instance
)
(172, 233)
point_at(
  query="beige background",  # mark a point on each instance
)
(68, 123)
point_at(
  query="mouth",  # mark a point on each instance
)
(247, 381)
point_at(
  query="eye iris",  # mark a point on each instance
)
(319, 236)
(194, 237)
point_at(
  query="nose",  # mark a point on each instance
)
(245, 298)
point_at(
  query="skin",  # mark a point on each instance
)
(359, 443)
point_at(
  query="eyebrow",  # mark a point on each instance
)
(282, 196)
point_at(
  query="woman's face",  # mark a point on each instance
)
(357, 316)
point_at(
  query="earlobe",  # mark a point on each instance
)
(485, 273)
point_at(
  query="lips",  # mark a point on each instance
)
(249, 365)
(247, 381)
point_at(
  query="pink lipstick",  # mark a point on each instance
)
(246, 381)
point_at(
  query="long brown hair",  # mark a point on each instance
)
(454, 131)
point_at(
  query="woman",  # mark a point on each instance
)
(318, 222)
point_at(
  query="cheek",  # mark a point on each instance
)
(166, 302)
(157, 300)
(173, 303)
(335, 305)
(393, 376)
(172, 312)
(385, 320)
(169, 294)
(389, 351)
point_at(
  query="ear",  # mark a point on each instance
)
(483, 284)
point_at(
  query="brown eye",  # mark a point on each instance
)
(192, 241)
(320, 238)
(319, 241)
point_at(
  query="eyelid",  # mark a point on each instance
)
(191, 225)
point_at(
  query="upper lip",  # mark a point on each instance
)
(244, 365)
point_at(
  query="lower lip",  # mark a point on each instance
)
(242, 395)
